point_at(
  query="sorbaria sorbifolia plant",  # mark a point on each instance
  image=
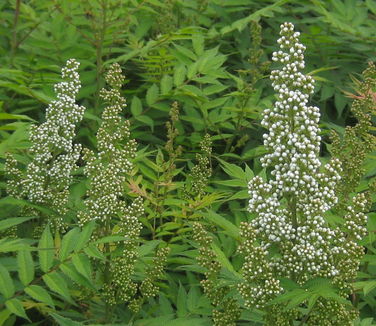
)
(107, 203)
(54, 155)
(289, 236)
(226, 309)
(357, 141)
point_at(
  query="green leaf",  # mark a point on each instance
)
(82, 264)
(166, 84)
(6, 283)
(68, 243)
(179, 75)
(198, 43)
(8, 116)
(69, 270)
(57, 284)
(25, 266)
(147, 120)
(7, 245)
(185, 51)
(111, 239)
(187, 322)
(93, 251)
(85, 235)
(181, 302)
(233, 170)
(136, 106)
(148, 247)
(15, 306)
(223, 259)
(40, 294)
(63, 321)
(46, 250)
(4, 315)
(242, 23)
(152, 95)
(12, 221)
(226, 225)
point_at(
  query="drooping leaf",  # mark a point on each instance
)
(40, 294)
(83, 265)
(6, 283)
(12, 221)
(15, 306)
(58, 284)
(71, 272)
(63, 321)
(231, 229)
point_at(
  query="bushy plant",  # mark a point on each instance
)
(290, 236)
(147, 225)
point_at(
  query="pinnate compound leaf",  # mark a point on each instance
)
(25, 266)
(6, 283)
(40, 294)
(15, 306)
(46, 250)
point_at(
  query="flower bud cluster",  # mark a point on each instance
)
(226, 311)
(332, 313)
(107, 171)
(202, 171)
(357, 141)
(290, 236)
(54, 156)
(155, 272)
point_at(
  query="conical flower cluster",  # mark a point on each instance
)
(54, 155)
(289, 236)
(108, 170)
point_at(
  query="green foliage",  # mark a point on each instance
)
(196, 85)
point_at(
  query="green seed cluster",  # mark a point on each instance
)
(173, 151)
(226, 310)
(54, 156)
(357, 141)
(155, 272)
(278, 315)
(332, 313)
(202, 171)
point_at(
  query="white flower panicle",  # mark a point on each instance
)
(54, 155)
(294, 239)
(108, 170)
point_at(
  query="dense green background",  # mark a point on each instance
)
(211, 57)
